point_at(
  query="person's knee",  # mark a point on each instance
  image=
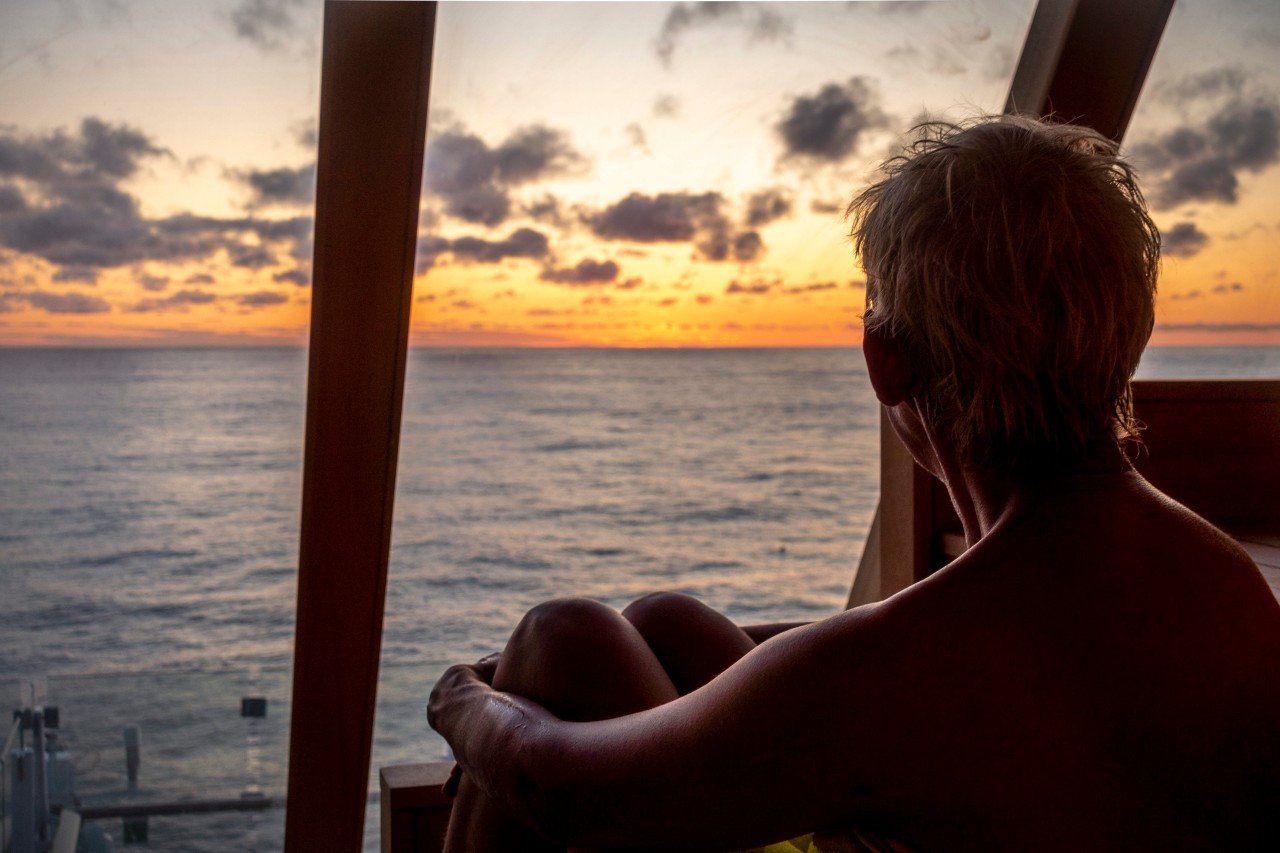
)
(653, 612)
(583, 661)
(565, 619)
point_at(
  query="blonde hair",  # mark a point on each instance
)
(1016, 262)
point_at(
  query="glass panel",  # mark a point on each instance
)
(148, 512)
(667, 180)
(1206, 139)
(156, 165)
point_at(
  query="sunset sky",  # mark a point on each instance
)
(623, 174)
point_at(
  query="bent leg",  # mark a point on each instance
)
(694, 642)
(582, 661)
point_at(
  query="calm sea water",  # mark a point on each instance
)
(149, 520)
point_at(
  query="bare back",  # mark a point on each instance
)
(1104, 668)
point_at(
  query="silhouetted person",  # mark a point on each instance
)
(1099, 671)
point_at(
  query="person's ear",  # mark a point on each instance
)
(890, 367)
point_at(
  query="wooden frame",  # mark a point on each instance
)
(1084, 61)
(373, 111)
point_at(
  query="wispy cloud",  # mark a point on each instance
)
(762, 23)
(274, 25)
(61, 303)
(179, 301)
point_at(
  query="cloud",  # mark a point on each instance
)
(828, 126)
(261, 299)
(11, 199)
(306, 133)
(1203, 162)
(301, 278)
(475, 181)
(763, 24)
(537, 152)
(199, 278)
(179, 301)
(546, 209)
(664, 218)
(75, 166)
(766, 206)
(1217, 290)
(588, 272)
(65, 205)
(810, 288)
(63, 303)
(521, 243)
(1208, 84)
(85, 275)
(755, 288)
(250, 257)
(635, 137)
(282, 186)
(677, 218)
(267, 24)
(696, 218)
(747, 246)
(1183, 240)
(666, 106)
(1196, 293)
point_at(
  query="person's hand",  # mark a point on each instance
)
(487, 666)
(457, 681)
(445, 690)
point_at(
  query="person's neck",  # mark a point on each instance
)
(984, 498)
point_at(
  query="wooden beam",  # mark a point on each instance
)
(373, 107)
(1084, 61)
(905, 514)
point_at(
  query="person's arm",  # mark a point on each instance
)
(762, 752)
(760, 633)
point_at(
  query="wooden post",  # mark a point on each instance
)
(1084, 61)
(373, 109)
(905, 514)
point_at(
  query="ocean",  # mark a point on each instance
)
(149, 521)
